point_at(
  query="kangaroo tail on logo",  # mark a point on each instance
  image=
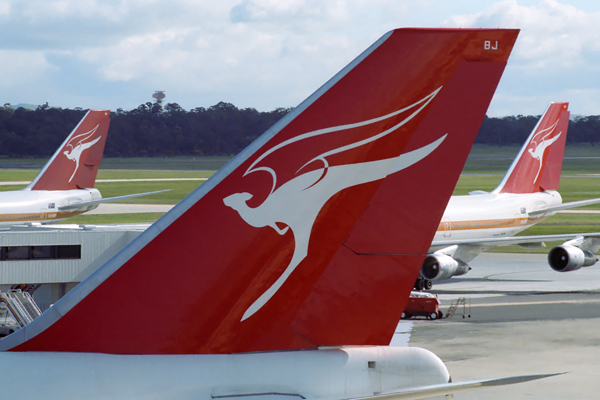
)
(414, 108)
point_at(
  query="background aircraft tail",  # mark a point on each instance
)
(314, 234)
(75, 164)
(537, 166)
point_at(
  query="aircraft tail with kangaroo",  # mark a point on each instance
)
(295, 244)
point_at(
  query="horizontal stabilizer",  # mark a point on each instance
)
(477, 192)
(563, 206)
(425, 392)
(87, 204)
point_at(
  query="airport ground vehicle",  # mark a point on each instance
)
(421, 304)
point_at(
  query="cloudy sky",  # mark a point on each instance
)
(272, 53)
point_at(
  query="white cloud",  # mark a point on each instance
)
(551, 33)
(556, 56)
(4, 8)
(267, 53)
(248, 62)
(22, 68)
(254, 53)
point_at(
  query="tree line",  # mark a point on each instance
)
(514, 130)
(152, 130)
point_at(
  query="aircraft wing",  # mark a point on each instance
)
(563, 206)
(512, 240)
(467, 250)
(424, 392)
(89, 205)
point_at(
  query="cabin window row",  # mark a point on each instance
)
(53, 252)
(20, 217)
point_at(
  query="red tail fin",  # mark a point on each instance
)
(315, 233)
(538, 164)
(75, 163)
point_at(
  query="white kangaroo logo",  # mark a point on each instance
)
(544, 142)
(78, 145)
(310, 191)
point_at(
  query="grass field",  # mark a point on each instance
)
(483, 171)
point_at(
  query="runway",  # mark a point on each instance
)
(524, 319)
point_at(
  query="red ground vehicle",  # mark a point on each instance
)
(423, 305)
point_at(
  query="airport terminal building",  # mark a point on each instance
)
(55, 258)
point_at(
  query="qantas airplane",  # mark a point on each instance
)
(64, 188)
(274, 279)
(526, 195)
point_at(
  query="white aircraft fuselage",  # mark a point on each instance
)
(525, 196)
(491, 215)
(24, 206)
(329, 374)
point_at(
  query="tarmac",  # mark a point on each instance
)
(523, 319)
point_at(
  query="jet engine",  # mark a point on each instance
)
(437, 267)
(565, 258)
